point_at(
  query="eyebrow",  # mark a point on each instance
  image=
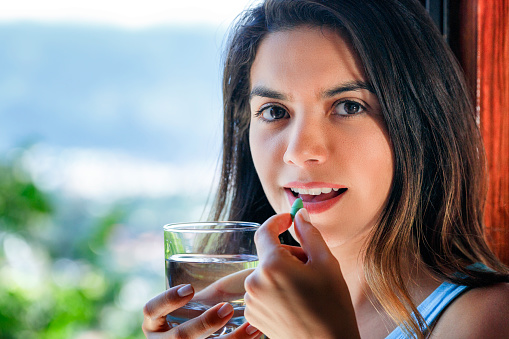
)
(266, 92)
(348, 87)
(262, 91)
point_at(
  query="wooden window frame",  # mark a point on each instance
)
(478, 33)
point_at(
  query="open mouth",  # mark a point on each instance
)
(315, 195)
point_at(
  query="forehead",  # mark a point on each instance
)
(311, 54)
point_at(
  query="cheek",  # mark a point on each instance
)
(266, 149)
(377, 173)
(256, 145)
(267, 156)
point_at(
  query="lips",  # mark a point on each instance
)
(317, 197)
(317, 194)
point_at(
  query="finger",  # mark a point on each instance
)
(157, 308)
(310, 238)
(266, 237)
(245, 331)
(297, 252)
(228, 288)
(206, 324)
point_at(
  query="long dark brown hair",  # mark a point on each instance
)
(436, 206)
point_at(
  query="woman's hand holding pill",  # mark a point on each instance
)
(304, 285)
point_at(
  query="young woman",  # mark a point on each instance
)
(360, 109)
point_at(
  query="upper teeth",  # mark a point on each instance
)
(313, 191)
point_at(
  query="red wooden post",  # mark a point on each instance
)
(493, 105)
(479, 36)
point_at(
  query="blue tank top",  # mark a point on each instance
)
(433, 306)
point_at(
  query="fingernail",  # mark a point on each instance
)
(185, 290)
(251, 329)
(225, 310)
(305, 214)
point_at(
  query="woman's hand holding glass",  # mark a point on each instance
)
(298, 292)
(155, 324)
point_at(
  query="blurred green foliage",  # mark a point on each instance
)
(20, 200)
(54, 286)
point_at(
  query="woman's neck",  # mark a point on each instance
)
(350, 257)
(372, 319)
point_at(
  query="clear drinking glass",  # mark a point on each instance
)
(215, 258)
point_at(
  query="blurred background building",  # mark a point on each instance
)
(110, 127)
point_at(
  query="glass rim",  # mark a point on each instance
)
(205, 226)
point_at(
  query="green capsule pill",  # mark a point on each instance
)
(297, 205)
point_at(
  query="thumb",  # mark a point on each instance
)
(310, 238)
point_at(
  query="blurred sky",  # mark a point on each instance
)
(122, 97)
(131, 14)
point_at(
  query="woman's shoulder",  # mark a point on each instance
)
(478, 313)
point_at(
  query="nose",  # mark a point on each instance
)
(306, 143)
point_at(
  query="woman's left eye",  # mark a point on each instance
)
(348, 107)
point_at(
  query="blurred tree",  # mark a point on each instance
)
(47, 291)
(20, 200)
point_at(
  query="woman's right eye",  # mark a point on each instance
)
(272, 113)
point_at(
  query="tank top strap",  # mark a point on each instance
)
(433, 305)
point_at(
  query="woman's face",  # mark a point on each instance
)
(317, 132)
